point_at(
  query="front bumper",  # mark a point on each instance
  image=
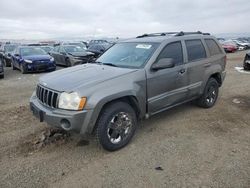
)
(39, 67)
(76, 121)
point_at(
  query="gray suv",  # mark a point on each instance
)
(134, 79)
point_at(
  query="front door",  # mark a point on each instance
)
(167, 87)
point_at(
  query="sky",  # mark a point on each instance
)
(47, 19)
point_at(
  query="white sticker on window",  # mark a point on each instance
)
(144, 46)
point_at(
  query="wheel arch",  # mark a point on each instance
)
(129, 99)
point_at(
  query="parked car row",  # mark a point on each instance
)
(38, 57)
(232, 45)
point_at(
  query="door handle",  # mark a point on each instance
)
(182, 71)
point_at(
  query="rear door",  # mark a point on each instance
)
(196, 61)
(168, 86)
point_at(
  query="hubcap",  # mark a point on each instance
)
(211, 95)
(119, 127)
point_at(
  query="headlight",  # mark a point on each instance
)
(28, 61)
(52, 59)
(71, 101)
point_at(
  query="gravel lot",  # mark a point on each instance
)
(183, 147)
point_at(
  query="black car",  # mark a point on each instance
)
(246, 63)
(6, 51)
(70, 55)
(99, 49)
(1, 69)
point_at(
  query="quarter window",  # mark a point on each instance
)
(212, 47)
(195, 50)
(174, 51)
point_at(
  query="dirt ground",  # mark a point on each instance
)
(183, 147)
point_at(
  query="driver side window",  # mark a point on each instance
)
(174, 51)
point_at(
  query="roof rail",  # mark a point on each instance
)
(181, 33)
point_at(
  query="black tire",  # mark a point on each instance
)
(246, 65)
(13, 67)
(1, 76)
(23, 70)
(7, 64)
(124, 120)
(68, 63)
(210, 95)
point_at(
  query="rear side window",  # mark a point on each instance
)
(174, 51)
(195, 50)
(212, 47)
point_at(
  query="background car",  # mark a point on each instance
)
(80, 44)
(99, 49)
(32, 59)
(6, 51)
(92, 42)
(1, 69)
(246, 63)
(242, 43)
(47, 49)
(229, 46)
(70, 55)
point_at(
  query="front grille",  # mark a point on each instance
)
(47, 97)
(41, 61)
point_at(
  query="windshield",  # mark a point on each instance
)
(72, 49)
(9, 48)
(32, 51)
(82, 45)
(46, 48)
(129, 55)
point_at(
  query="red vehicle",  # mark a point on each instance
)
(229, 47)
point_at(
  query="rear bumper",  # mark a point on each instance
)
(76, 121)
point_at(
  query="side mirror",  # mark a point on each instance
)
(163, 63)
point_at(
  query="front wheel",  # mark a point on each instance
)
(116, 126)
(210, 95)
(23, 70)
(68, 62)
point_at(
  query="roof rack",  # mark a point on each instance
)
(181, 33)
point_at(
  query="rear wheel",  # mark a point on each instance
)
(210, 95)
(116, 126)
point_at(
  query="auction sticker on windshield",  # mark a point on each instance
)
(144, 46)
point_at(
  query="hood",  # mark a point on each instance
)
(37, 57)
(81, 76)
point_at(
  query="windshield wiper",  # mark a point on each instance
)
(110, 64)
(96, 62)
